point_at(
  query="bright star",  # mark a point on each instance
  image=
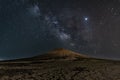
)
(86, 19)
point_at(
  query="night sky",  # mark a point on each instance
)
(32, 27)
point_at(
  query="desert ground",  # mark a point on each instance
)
(60, 69)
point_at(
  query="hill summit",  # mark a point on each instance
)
(61, 53)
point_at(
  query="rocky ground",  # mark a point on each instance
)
(82, 69)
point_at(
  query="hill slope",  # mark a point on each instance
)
(61, 53)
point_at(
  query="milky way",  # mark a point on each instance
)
(32, 27)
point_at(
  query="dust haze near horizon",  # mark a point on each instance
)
(32, 27)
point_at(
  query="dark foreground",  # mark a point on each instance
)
(84, 69)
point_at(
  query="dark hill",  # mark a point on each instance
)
(60, 53)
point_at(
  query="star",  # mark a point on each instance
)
(86, 19)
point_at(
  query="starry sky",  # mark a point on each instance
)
(32, 27)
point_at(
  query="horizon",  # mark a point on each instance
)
(58, 49)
